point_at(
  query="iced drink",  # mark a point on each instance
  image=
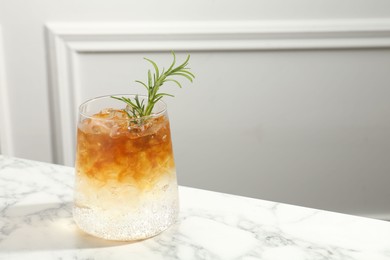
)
(126, 185)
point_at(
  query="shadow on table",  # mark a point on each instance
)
(45, 226)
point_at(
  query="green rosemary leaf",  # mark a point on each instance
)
(188, 72)
(117, 98)
(137, 101)
(155, 67)
(164, 94)
(173, 80)
(185, 63)
(127, 113)
(155, 80)
(150, 79)
(158, 99)
(182, 74)
(143, 84)
(173, 63)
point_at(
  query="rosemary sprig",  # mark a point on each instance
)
(155, 80)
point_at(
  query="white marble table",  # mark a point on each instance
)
(36, 223)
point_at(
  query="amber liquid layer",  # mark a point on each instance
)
(126, 185)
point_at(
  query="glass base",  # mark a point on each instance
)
(143, 223)
(125, 213)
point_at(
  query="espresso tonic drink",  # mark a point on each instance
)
(126, 186)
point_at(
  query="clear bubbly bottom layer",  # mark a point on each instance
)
(124, 212)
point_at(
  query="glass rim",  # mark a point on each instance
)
(157, 114)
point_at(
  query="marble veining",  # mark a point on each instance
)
(36, 223)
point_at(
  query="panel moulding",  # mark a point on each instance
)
(66, 40)
(6, 141)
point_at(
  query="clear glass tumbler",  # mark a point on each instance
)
(126, 187)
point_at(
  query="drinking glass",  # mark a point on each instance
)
(125, 184)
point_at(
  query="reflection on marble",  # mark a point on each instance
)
(36, 223)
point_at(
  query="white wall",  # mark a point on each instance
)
(294, 95)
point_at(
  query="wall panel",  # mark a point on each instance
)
(6, 145)
(291, 111)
